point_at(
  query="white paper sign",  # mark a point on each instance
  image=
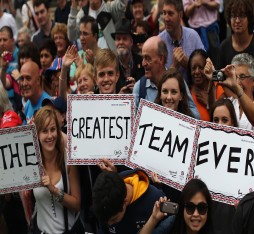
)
(225, 161)
(20, 159)
(99, 126)
(163, 143)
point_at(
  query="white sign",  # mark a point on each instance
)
(163, 143)
(20, 159)
(99, 126)
(225, 161)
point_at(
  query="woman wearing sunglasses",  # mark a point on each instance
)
(194, 213)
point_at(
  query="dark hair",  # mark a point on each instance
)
(177, 3)
(29, 50)
(109, 192)
(193, 187)
(183, 106)
(200, 52)
(94, 25)
(225, 102)
(8, 30)
(50, 46)
(39, 2)
(143, 24)
(237, 6)
(162, 50)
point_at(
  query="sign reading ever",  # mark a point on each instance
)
(20, 159)
(99, 126)
(179, 148)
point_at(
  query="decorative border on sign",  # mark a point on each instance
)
(32, 129)
(94, 97)
(169, 112)
(228, 129)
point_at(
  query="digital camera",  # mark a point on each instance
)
(218, 75)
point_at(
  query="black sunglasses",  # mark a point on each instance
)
(190, 208)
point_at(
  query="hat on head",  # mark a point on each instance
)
(122, 26)
(55, 66)
(10, 119)
(58, 102)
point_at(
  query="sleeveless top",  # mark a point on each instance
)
(50, 214)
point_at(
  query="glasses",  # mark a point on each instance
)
(243, 77)
(85, 34)
(240, 16)
(190, 208)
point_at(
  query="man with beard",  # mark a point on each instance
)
(130, 64)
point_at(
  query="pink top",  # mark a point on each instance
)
(202, 16)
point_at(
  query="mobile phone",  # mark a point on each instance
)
(8, 57)
(127, 82)
(169, 207)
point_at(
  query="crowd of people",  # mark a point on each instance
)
(173, 54)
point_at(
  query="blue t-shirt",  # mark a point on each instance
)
(30, 109)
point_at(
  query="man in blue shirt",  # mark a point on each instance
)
(31, 89)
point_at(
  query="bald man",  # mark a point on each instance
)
(31, 89)
(154, 54)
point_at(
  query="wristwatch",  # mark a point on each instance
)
(60, 196)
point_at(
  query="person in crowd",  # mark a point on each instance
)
(8, 6)
(204, 92)
(239, 80)
(59, 36)
(7, 20)
(57, 197)
(155, 55)
(194, 213)
(130, 63)
(60, 107)
(223, 112)
(203, 18)
(85, 78)
(31, 89)
(121, 201)
(141, 33)
(240, 18)
(23, 36)
(138, 11)
(29, 19)
(52, 77)
(172, 92)
(42, 12)
(47, 54)
(180, 41)
(88, 35)
(105, 13)
(11, 210)
(62, 11)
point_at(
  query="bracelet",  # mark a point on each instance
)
(240, 95)
(60, 196)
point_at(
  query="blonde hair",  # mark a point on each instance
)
(41, 116)
(106, 58)
(5, 104)
(60, 28)
(88, 68)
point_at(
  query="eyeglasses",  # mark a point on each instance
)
(190, 208)
(239, 16)
(243, 77)
(85, 34)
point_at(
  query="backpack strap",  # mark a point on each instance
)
(66, 191)
(142, 88)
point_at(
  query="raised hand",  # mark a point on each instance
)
(70, 56)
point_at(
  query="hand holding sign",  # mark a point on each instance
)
(106, 165)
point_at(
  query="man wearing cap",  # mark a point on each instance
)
(105, 13)
(32, 91)
(130, 63)
(181, 41)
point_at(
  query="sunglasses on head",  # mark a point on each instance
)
(190, 208)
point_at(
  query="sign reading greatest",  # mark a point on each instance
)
(163, 143)
(20, 159)
(99, 126)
